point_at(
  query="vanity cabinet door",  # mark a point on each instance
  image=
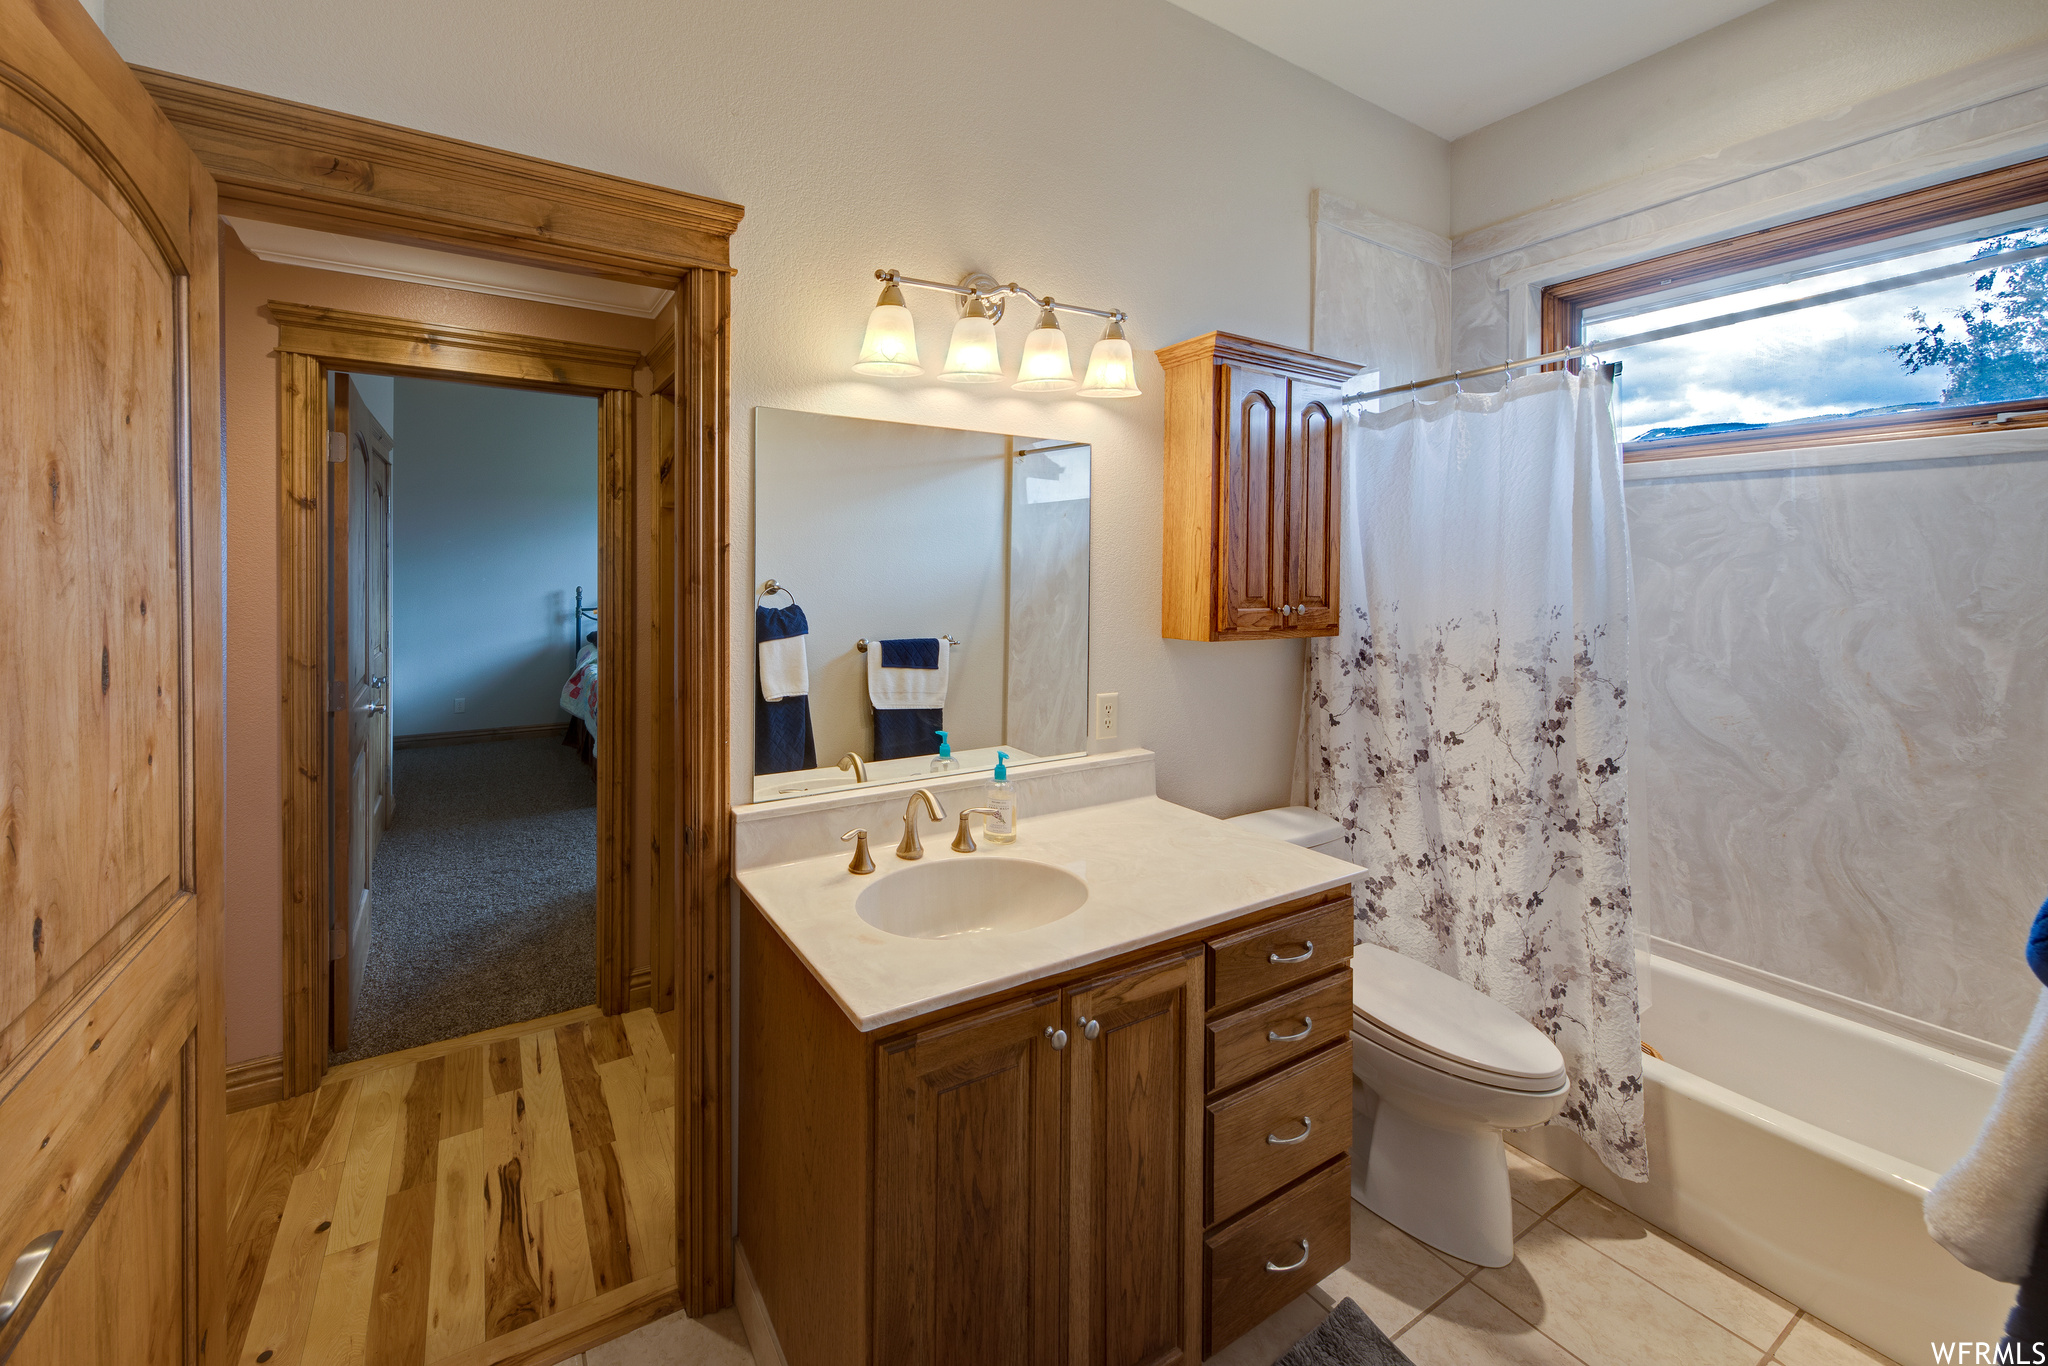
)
(1134, 1108)
(968, 1228)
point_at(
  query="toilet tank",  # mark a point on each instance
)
(1297, 825)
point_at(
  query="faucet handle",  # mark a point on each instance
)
(963, 843)
(862, 863)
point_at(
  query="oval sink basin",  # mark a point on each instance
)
(969, 896)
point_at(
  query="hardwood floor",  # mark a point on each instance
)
(493, 1199)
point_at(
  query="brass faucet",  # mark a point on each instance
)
(963, 842)
(910, 847)
(853, 761)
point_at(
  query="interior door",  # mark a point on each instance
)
(111, 1069)
(1253, 501)
(358, 617)
(1134, 1165)
(1314, 453)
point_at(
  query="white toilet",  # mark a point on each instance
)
(1451, 1070)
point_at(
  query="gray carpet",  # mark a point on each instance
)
(483, 899)
(1346, 1338)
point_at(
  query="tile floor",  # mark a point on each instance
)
(1591, 1285)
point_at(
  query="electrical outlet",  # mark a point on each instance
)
(1105, 716)
(461, 703)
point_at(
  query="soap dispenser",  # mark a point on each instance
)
(945, 763)
(1000, 825)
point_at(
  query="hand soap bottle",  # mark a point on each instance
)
(1001, 824)
(945, 763)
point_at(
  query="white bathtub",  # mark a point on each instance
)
(1795, 1146)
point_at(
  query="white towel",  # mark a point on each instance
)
(785, 670)
(906, 689)
(1987, 1206)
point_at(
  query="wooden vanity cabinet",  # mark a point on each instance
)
(1026, 1180)
(1254, 442)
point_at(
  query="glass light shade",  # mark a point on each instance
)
(1045, 365)
(1112, 373)
(973, 357)
(890, 347)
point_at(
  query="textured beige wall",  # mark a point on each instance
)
(1774, 67)
(254, 861)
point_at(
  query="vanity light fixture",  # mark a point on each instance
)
(890, 347)
(974, 356)
(1045, 365)
(1112, 372)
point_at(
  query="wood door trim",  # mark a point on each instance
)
(309, 788)
(286, 162)
(345, 340)
(455, 195)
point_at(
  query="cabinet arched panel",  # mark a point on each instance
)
(1314, 484)
(1254, 491)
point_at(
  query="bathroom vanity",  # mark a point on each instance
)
(1086, 1099)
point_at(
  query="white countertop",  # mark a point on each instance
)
(1154, 870)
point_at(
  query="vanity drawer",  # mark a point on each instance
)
(1239, 1293)
(1260, 1038)
(1273, 1131)
(1267, 957)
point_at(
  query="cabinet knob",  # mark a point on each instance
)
(1058, 1037)
(21, 1277)
(1285, 609)
(1089, 1028)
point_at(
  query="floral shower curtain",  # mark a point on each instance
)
(1466, 726)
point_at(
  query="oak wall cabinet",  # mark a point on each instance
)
(1254, 443)
(1052, 1174)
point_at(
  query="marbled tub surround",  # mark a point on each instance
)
(1842, 684)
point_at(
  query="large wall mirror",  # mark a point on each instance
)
(927, 579)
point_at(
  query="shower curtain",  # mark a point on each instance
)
(1466, 725)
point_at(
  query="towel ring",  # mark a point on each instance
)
(771, 588)
(862, 643)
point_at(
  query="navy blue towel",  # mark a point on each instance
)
(783, 741)
(909, 732)
(920, 653)
(2037, 944)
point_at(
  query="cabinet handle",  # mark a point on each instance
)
(1307, 1023)
(1307, 1125)
(1285, 609)
(1294, 1265)
(1058, 1037)
(1308, 947)
(21, 1277)
(1089, 1028)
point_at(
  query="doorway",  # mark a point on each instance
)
(465, 602)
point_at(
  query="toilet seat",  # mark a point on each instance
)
(1423, 1015)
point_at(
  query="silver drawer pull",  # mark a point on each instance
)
(1308, 947)
(23, 1274)
(1294, 1265)
(1307, 1023)
(1306, 1125)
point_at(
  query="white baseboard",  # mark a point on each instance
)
(754, 1313)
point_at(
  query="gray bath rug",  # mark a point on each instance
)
(1346, 1338)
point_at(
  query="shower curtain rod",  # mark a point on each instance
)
(1833, 296)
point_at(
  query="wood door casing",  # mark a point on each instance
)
(358, 502)
(111, 1052)
(1134, 1104)
(967, 1249)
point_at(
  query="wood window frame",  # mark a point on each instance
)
(1566, 304)
(279, 161)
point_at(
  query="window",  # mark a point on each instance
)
(1920, 314)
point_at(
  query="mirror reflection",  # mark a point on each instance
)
(929, 606)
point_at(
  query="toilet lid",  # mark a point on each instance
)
(1444, 1017)
(1296, 824)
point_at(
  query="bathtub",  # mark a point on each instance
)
(1795, 1146)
